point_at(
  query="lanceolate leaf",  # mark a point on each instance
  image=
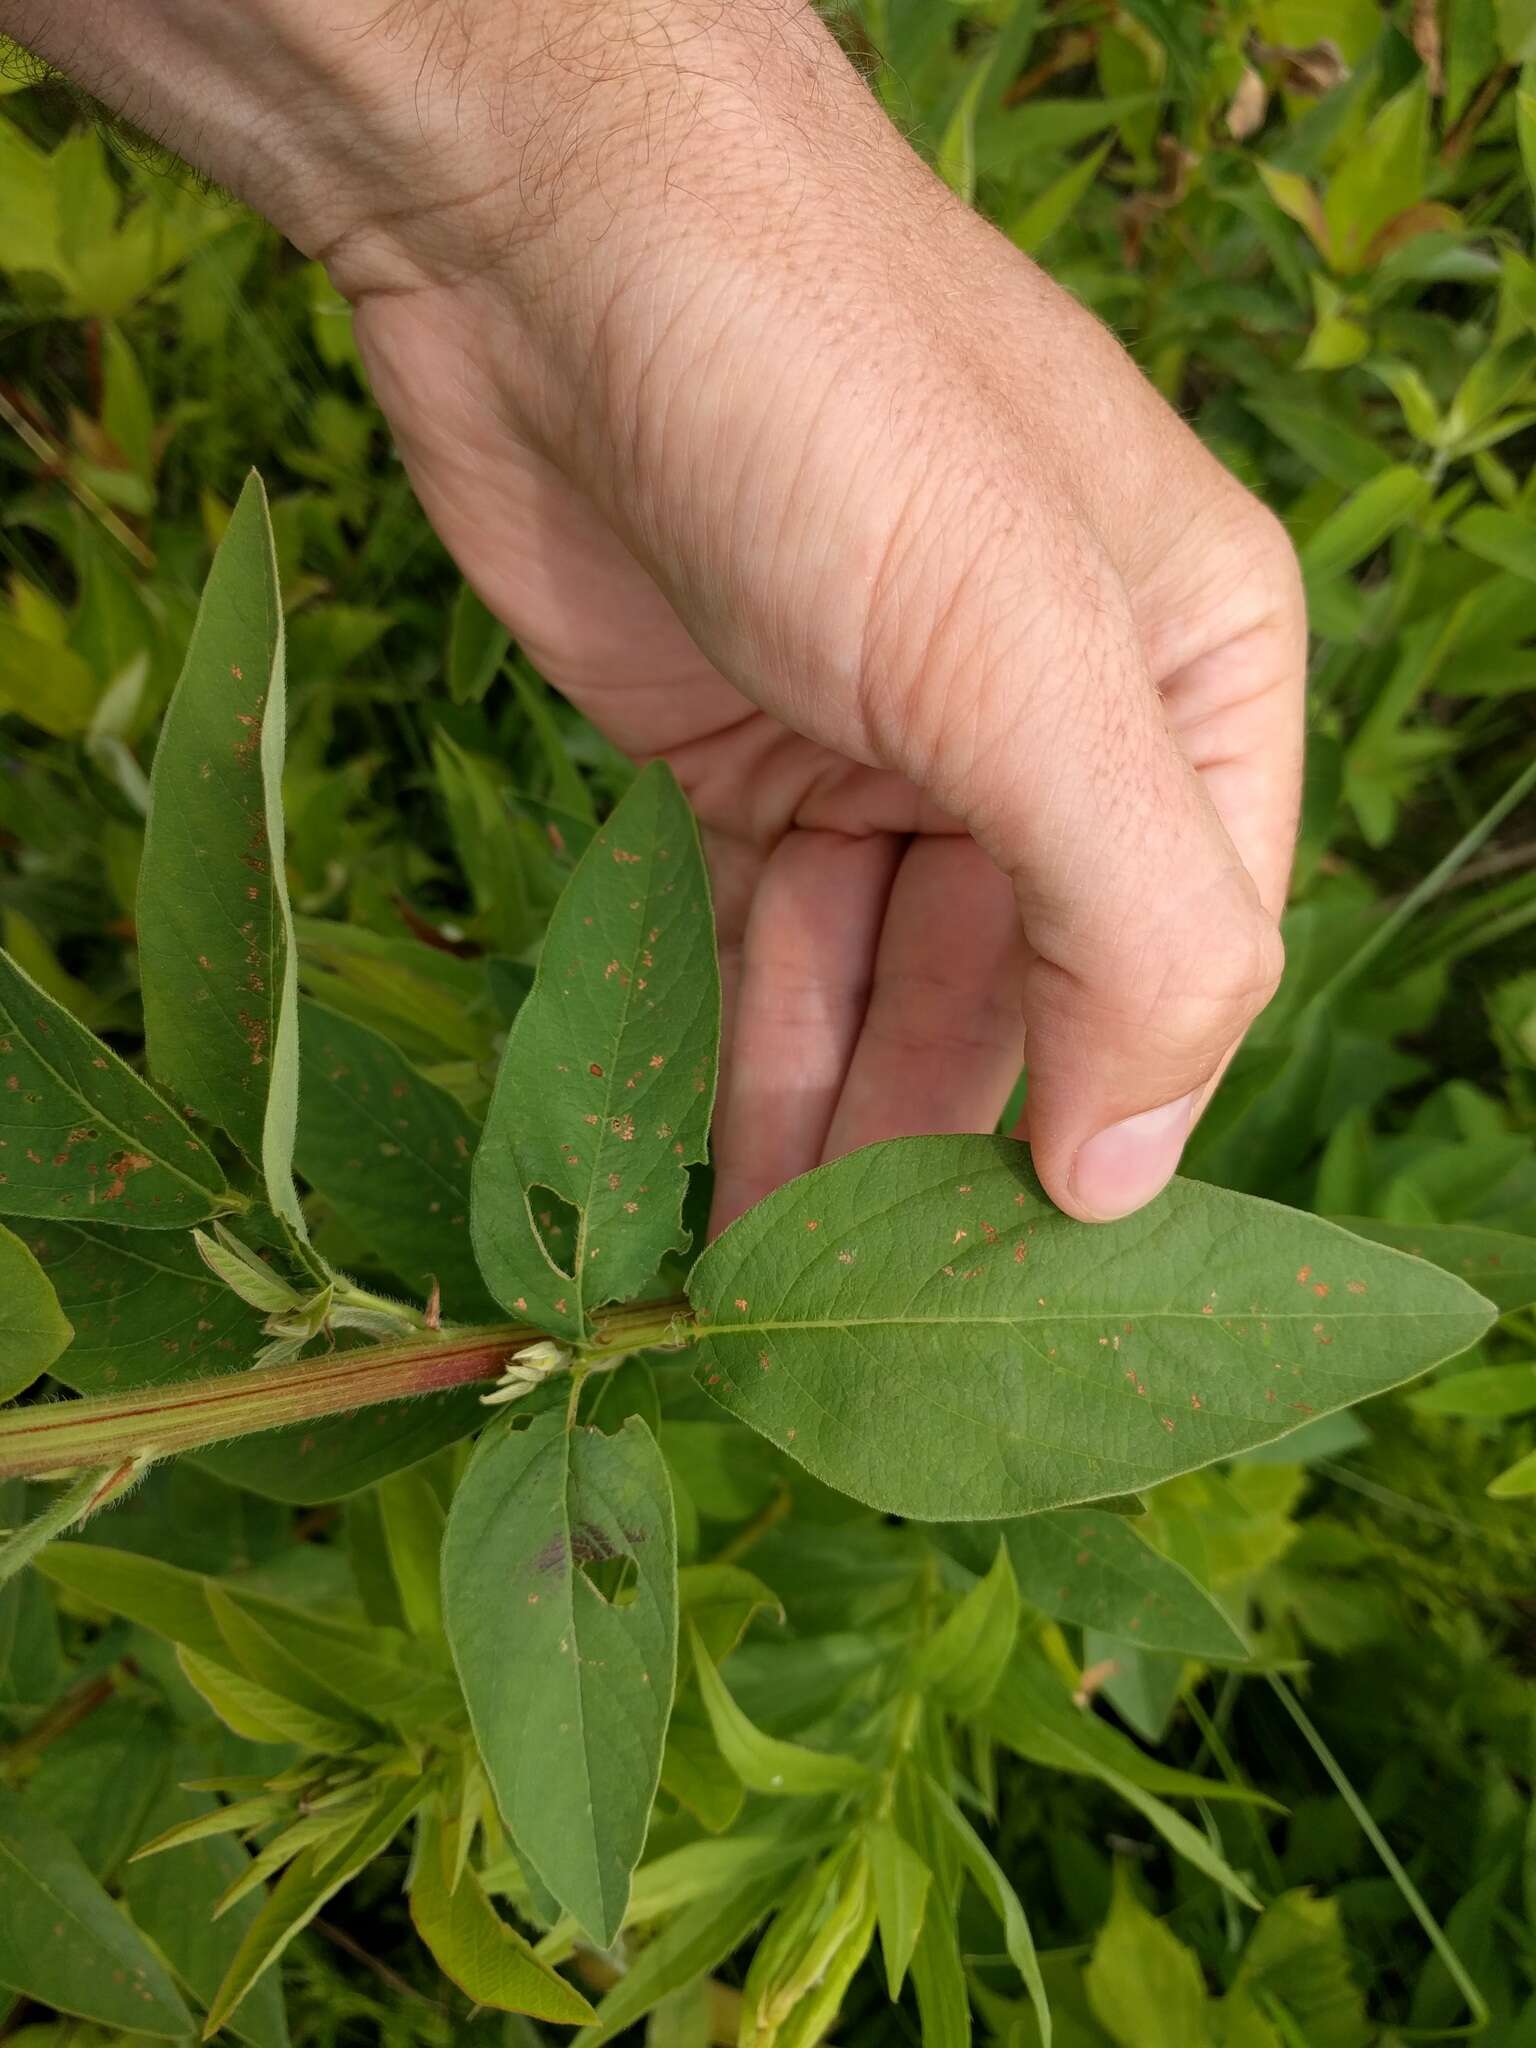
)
(606, 1084)
(964, 1659)
(81, 1135)
(215, 933)
(391, 1154)
(335, 1667)
(568, 1686)
(488, 1960)
(689, 1946)
(169, 1899)
(303, 1889)
(33, 1327)
(764, 1763)
(921, 1329)
(63, 1941)
(1083, 1565)
(1500, 1264)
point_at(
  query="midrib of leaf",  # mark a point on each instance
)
(62, 1904)
(133, 1140)
(272, 1006)
(609, 1079)
(1021, 1324)
(122, 1251)
(574, 1572)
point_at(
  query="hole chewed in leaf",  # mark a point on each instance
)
(557, 1223)
(614, 1579)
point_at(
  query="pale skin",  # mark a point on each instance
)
(984, 678)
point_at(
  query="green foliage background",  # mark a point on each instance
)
(1313, 223)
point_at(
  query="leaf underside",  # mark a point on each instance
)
(568, 1695)
(606, 1084)
(81, 1135)
(215, 931)
(920, 1328)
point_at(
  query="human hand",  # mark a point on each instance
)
(984, 678)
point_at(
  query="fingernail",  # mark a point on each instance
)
(1125, 1166)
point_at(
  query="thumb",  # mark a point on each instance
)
(1149, 950)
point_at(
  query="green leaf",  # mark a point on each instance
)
(1365, 519)
(938, 1973)
(956, 158)
(412, 1527)
(391, 1155)
(1525, 121)
(1053, 207)
(1085, 1566)
(48, 685)
(315, 1876)
(694, 1772)
(1498, 1263)
(1296, 198)
(258, 1714)
(33, 1327)
(1502, 538)
(719, 1601)
(921, 1329)
(488, 1960)
(1144, 1985)
(963, 1660)
(1380, 176)
(988, 1877)
(1488, 1393)
(328, 1459)
(252, 1649)
(477, 646)
(335, 1667)
(81, 1134)
(146, 1310)
(1299, 1955)
(215, 932)
(606, 1083)
(688, 1947)
(157, 1596)
(1035, 1715)
(784, 1770)
(568, 1694)
(1516, 1480)
(98, 1779)
(493, 846)
(64, 1943)
(901, 1880)
(169, 1898)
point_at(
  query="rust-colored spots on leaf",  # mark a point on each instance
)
(255, 1031)
(1304, 1276)
(1356, 1287)
(595, 1071)
(1321, 1288)
(741, 1303)
(121, 1167)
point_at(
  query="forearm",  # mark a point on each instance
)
(382, 134)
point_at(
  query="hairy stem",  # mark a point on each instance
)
(159, 1422)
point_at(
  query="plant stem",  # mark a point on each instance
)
(151, 1423)
(88, 1493)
